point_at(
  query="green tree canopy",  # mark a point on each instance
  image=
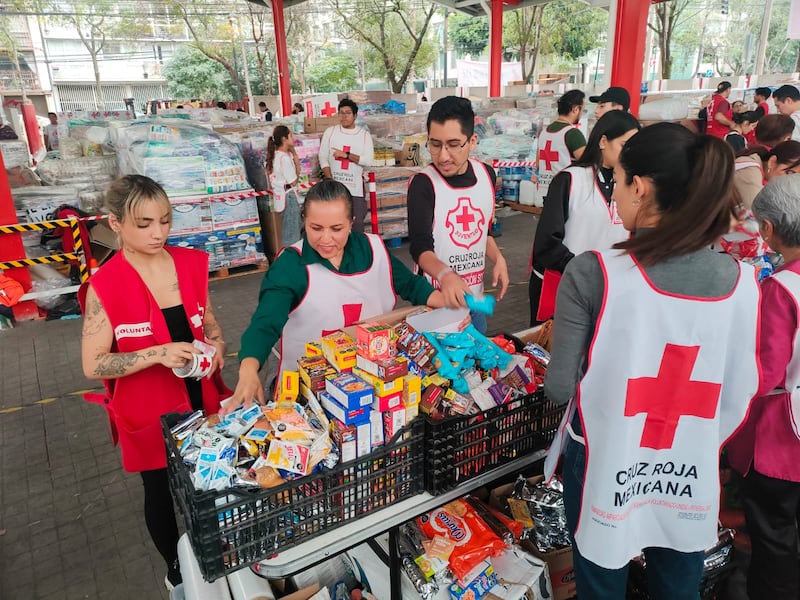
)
(395, 34)
(191, 74)
(469, 35)
(332, 74)
(575, 36)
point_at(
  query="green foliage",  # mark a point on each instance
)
(469, 35)
(575, 36)
(191, 74)
(332, 74)
(395, 35)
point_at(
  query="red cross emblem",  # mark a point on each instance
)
(205, 363)
(345, 162)
(328, 110)
(548, 155)
(351, 314)
(670, 396)
(465, 219)
(465, 223)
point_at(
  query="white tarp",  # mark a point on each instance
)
(476, 74)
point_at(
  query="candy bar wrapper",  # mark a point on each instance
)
(537, 352)
(494, 523)
(501, 393)
(515, 378)
(482, 396)
(189, 424)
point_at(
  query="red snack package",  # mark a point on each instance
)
(474, 540)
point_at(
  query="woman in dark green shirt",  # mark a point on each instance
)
(332, 278)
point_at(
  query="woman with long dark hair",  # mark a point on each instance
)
(283, 171)
(578, 213)
(655, 348)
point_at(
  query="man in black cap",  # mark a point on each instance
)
(719, 111)
(614, 98)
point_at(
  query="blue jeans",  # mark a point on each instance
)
(671, 575)
(479, 321)
(291, 220)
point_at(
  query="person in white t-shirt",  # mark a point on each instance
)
(283, 170)
(787, 101)
(51, 132)
(345, 151)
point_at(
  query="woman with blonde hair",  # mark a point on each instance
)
(142, 311)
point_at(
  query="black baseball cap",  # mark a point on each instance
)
(617, 95)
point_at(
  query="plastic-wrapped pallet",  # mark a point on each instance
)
(186, 159)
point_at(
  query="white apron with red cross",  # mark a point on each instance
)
(790, 281)
(553, 156)
(593, 224)
(669, 379)
(344, 170)
(462, 218)
(334, 300)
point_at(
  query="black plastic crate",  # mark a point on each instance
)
(460, 448)
(235, 528)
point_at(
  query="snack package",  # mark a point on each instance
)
(288, 423)
(541, 508)
(474, 540)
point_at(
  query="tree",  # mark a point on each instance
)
(395, 34)
(522, 31)
(574, 37)
(258, 21)
(303, 47)
(191, 74)
(95, 21)
(213, 34)
(333, 73)
(469, 35)
(667, 19)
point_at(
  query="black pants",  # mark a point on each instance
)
(772, 510)
(159, 514)
(359, 213)
(534, 291)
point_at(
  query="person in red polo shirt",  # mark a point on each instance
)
(719, 111)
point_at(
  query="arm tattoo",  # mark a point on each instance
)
(95, 319)
(116, 364)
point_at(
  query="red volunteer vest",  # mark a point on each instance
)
(136, 402)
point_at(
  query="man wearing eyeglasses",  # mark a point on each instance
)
(450, 209)
(344, 152)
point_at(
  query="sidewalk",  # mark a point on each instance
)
(71, 523)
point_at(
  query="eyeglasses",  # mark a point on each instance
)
(436, 146)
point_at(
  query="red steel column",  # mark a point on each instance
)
(495, 48)
(31, 128)
(627, 62)
(284, 84)
(11, 247)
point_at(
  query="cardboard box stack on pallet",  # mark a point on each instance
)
(392, 189)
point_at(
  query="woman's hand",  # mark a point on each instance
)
(176, 354)
(248, 388)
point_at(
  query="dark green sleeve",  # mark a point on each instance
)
(283, 287)
(575, 140)
(414, 288)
